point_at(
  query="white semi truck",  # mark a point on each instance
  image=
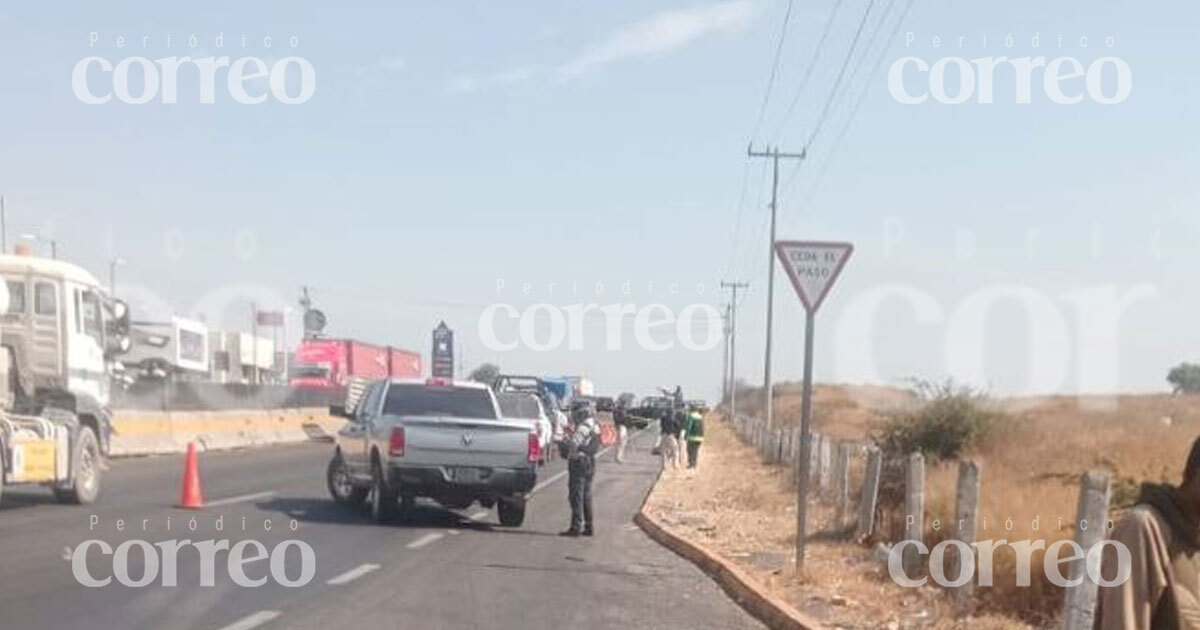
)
(59, 335)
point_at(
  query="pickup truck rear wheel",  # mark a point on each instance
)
(341, 487)
(383, 498)
(512, 512)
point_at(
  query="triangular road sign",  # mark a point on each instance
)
(813, 267)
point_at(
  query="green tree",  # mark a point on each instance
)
(1185, 378)
(485, 373)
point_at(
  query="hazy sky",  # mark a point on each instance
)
(451, 145)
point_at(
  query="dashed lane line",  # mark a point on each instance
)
(352, 574)
(242, 498)
(253, 621)
(424, 540)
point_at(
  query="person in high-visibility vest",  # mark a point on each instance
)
(693, 428)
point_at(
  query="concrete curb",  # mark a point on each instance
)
(743, 589)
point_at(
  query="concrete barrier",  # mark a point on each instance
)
(157, 432)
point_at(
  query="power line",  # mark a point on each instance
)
(762, 110)
(812, 63)
(834, 91)
(861, 98)
(841, 74)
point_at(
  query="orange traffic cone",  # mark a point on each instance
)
(191, 498)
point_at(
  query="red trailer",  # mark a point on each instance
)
(334, 362)
(404, 363)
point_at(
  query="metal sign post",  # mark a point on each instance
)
(813, 267)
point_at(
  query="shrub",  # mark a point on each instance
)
(944, 420)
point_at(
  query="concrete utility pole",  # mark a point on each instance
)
(774, 154)
(733, 286)
(725, 361)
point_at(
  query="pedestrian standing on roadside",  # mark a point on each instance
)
(622, 422)
(694, 435)
(580, 449)
(669, 429)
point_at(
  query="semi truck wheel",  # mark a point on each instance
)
(85, 470)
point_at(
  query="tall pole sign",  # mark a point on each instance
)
(442, 358)
(813, 267)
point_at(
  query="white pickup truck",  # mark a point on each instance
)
(439, 439)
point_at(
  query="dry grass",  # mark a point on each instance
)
(744, 509)
(1030, 467)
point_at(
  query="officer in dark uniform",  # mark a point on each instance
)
(580, 449)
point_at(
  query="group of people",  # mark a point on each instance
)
(580, 444)
(681, 434)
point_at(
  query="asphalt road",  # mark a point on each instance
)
(435, 569)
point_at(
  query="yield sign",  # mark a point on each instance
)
(813, 267)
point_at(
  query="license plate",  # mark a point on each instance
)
(466, 475)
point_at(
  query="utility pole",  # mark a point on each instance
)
(733, 286)
(725, 360)
(112, 275)
(253, 342)
(774, 154)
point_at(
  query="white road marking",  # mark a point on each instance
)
(352, 574)
(422, 541)
(453, 532)
(241, 498)
(253, 621)
(542, 484)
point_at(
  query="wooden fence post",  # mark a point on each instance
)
(1079, 603)
(914, 511)
(870, 492)
(966, 512)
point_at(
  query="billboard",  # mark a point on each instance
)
(442, 357)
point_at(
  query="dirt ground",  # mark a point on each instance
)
(744, 509)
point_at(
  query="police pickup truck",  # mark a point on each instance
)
(439, 439)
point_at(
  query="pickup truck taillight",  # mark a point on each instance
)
(535, 447)
(396, 442)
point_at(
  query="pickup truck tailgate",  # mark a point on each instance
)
(458, 442)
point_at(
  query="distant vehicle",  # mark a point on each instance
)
(546, 393)
(338, 362)
(440, 439)
(648, 410)
(581, 386)
(527, 407)
(174, 347)
(697, 405)
(561, 389)
(60, 336)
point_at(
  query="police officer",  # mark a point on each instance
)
(580, 449)
(693, 428)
